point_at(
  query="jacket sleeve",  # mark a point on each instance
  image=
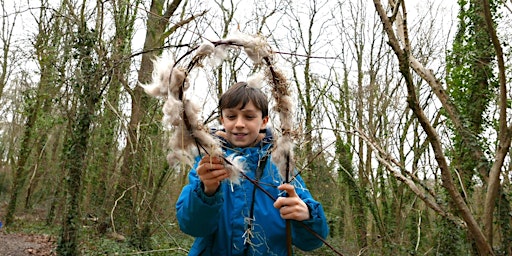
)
(197, 213)
(303, 238)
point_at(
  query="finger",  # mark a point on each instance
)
(212, 166)
(286, 201)
(289, 212)
(219, 174)
(290, 189)
(207, 167)
(215, 175)
(211, 160)
(279, 203)
(294, 211)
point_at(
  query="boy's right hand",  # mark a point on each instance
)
(211, 172)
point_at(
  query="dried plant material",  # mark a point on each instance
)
(235, 169)
(210, 143)
(282, 156)
(177, 157)
(284, 108)
(256, 80)
(220, 54)
(256, 47)
(162, 67)
(181, 139)
(205, 49)
(191, 111)
(179, 81)
(172, 110)
(171, 81)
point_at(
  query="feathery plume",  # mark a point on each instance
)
(179, 81)
(160, 77)
(282, 155)
(172, 111)
(181, 139)
(205, 49)
(235, 169)
(219, 55)
(256, 47)
(256, 80)
(179, 156)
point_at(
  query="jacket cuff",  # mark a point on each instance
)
(208, 200)
(315, 211)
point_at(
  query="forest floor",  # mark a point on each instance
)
(26, 244)
(21, 242)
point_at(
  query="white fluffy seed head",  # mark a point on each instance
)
(237, 38)
(209, 142)
(152, 89)
(179, 79)
(180, 157)
(282, 156)
(256, 80)
(159, 85)
(192, 110)
(235, 169)
(205, 49)
(219, 55)
(257, 48)
(181, 139)
(172, 110)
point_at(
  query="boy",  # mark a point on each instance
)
(231, 219)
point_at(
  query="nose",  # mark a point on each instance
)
(239, 122)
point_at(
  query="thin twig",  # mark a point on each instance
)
(115, 205)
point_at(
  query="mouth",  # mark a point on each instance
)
(239, 134)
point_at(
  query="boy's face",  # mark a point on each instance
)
(243, 125)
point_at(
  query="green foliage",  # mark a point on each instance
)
(86, 85)
(504, 221)
(471, 82)
(4, 183)
(472, 86)
(451, 239)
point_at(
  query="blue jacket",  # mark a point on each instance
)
(219, 222)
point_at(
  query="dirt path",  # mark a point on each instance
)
(26, 244)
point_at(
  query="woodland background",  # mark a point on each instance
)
(403, 112)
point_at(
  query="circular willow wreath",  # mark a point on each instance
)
(171, 81)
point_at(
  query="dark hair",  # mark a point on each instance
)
(241, 93)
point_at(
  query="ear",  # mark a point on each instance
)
(221, 119)
(264, 123)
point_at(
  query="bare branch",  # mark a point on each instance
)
(504, 131)
(404, 58)
(388, 161)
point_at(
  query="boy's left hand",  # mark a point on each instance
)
(291, 207)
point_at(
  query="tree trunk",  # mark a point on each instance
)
(20, 174)
(75, 148)
(137, 132)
